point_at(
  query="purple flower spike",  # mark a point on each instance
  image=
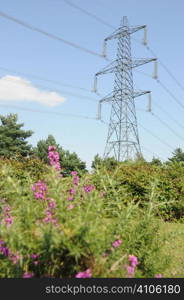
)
(117, 243)
(158, 276)
(27, 275)
(85, 274)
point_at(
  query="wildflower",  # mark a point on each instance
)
(5, 250)
(9, 220)
(74, 173)
(70, 206)
(70, 198)
(117, 243)
(76, 180)
(39, 189)
(6, 209)
(27, 275)
(89, 188)
(85, 274)
(131, 271)
(15, 258)
(72, 191)
(34, 256)
(53, 157)
(133, 260)
(52, 204)
(158, 276)
(49, 218)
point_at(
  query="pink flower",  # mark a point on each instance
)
(70, 198)
(34, 256)
(117, 243)
(47, 219)
(54, 221)
(89, 188)
(74, 173)
(72, 191)
(85, 274)
(6, 209)
(5, 250)
(53, 157)
(51, 148)
(27, 275)
(52, 204)
(39, 189)
(76, 180)
(9, 220)
(158, 276)
(133, 260)
(70, 206)
(131, 271)
(15, 258)
(49, 213)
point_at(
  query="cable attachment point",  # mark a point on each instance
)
(145, 41)
(155, 72)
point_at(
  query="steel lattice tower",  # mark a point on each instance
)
(123, 138)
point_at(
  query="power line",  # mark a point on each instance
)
(47, 112)
(162, 64)
(86, 12)
(166, 125)
(45, 79)
(149, 151)
(50, 35)
(155, 136)
(170, 93)
(170, 116)
(166, 89)
(166, 69)
(113, 27)
(55, 90)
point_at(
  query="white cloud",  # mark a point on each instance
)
(13, 88)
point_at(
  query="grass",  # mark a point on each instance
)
(174, 246)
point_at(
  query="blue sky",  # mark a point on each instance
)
(29, 52)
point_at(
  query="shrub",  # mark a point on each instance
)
(135, 181)
(67, 227)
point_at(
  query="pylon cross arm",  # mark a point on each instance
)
(140, 93)
(140, 62)
(123, 31)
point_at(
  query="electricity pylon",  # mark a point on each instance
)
(123, 138)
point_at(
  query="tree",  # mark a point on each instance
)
(178, 156)
(12, 138)
(156, 161)
(109, 162)
(68, 161)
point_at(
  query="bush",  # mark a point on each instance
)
(136, 181)
(64, 226)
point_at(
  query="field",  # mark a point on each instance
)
(174, 246)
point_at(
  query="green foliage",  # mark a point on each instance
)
(108, 163)
(156, 161)
(178, 156)
(82, 236)
(134, 181)
(69, 161)
(13, 138)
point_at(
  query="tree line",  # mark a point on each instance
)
(14, 144)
